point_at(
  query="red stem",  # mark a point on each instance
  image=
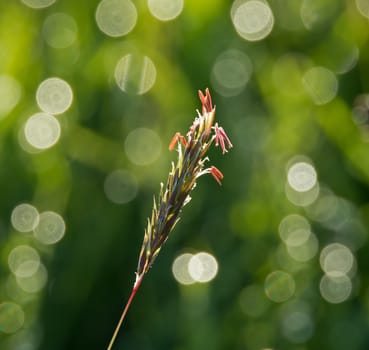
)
(133, 293)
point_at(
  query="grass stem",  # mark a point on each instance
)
(133, 293)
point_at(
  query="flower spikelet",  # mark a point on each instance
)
(182, 178)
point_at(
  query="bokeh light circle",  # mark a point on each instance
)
(24, 217)
(302, 176)
(336, 259)
(54, 96)
(252, 19)
(363, 7)
(23, 261)
(120, 187)
(116, 17)
(360, 112)
(353, 234)
(335, 289)
(253, 301)
(297, 238)
(42, 131)
(321, 84)
(279, 286)
(59, 30)
(231, 72)
(297, 322)
(306, 250)
(10, 94)
(34, 283)
(203, 267)
(302, 199)
(38, 4)
(142, 146)
(50, 229)
(315, 14)
(325, 208)
(290, 224)
(11, 317)
(165, 10)
(135, 74)
(180, 269)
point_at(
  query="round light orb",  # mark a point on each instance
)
(325, 208)
(279, 286)
(305, 251)
(203, 267)
(24, 217)
(298, 238)
(231, 72)
(297, 322)
(116, 18)
(34, 283)
(180, 269)
(135, 74)
(302, 199)
(290, 224)
(59, 30)
(302, 176)
(23, 261)
(165, 10)
(120, 187)
(321, 84)
(363, 7)
(142, 146)
(50, 229)
(335, 289)
(315, 14)
(253, 301)
(11, 317)
(54, 96)
(336, 259)
(252, 19)
(38, 4)
(42, 131)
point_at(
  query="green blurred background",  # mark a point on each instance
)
(91, 94)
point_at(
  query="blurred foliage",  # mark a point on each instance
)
(298, 94)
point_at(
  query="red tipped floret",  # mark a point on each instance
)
(207, 105)
(177, 138)
(221, 138)
(216, 174)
